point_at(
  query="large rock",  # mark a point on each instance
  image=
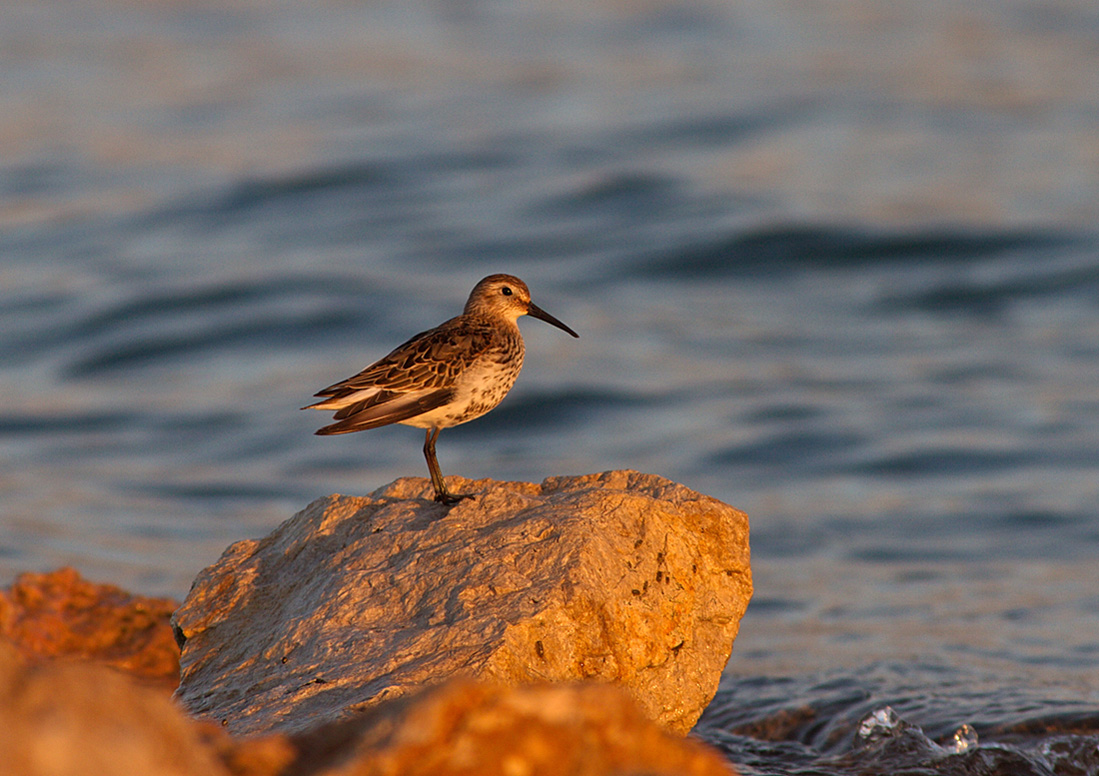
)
(620, 576)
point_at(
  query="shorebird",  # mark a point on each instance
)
(444, 376)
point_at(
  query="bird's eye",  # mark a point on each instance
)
(505, 291)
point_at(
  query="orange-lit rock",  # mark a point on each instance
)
(61, 614)
(468, 729)
(619, 577)
(77, 718)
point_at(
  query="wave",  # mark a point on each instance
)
(784, 248)
(244, 316)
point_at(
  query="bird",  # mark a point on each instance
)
(444, 376)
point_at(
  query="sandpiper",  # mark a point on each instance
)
(444, 376)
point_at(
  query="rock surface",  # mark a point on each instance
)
(621, 577)
(61, 614)
(468, 729)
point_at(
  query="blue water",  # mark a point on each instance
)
(836, 266)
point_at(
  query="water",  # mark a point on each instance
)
(835, 265)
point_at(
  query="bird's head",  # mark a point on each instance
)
(506, 296)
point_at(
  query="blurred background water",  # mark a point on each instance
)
(833, 263)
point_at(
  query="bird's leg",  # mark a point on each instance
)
(442, 495)
(433, 463)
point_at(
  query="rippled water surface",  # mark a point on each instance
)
(835, 265)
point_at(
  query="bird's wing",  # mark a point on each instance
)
(430, 361)
(384, 408)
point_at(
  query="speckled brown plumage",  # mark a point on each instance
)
(442, 377)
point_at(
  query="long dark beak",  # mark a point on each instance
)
(535, 311)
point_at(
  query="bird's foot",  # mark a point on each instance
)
(450, 499)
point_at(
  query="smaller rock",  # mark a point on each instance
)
(465, 729)
(61, 614)
(73, 718)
